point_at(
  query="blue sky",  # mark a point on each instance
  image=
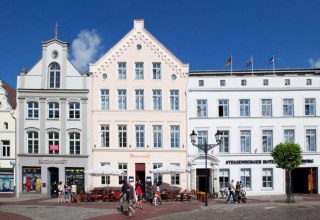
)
(203, 33)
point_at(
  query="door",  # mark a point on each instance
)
(53, 180)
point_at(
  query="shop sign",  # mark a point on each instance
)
(52, 161)
(139, 155)
(245, 162)
(54, 147)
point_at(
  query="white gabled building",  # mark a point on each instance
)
(53, 129)
(139, 110)
(7, 137)
(254, 112)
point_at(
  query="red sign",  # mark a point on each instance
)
(54, 147)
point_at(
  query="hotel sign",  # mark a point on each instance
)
(246, 162)
(139, 155)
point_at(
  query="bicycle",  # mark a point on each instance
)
(222, 193)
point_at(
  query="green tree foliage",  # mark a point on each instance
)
(288, 157)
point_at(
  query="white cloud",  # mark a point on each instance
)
(314, 63)
(85, 48)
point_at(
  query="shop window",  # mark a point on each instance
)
(75, 175)
(31, 179)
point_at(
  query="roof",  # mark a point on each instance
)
(10, 94)
(256, 72)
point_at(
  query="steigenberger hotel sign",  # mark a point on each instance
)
(246, 162)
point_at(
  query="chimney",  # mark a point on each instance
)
(138, 24)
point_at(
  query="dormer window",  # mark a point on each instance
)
(54, 76)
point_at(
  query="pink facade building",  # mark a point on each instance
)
(139, 110)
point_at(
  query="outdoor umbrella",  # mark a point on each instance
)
(170, 169)
(105, 170)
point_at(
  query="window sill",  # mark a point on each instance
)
(74, 119)
(53, 119)
(267, 189)
(34, 119)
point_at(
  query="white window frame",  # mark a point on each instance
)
(175, 136)
(105, 99)
(54, 76)
(5, 148)
(202, 108)
(105, 180)
(124, 168)
(139, 99)
(122, 136)
(74, 110)
(310, 107)
(156, 70)
(122, 99)
(55, 140)
(122, 70)
(224, 178)
(311, 140)
(74, 143)
(245, 141)
(224, 143)
(267, 140)
(139, 69)
(157, 99)
(288, 135)
(266, 107)
(288, 107)
(224, 104)
(267, 178)
(33, 142)
(140, 136)
(246, 178)
(53, 110)
(175, 178)
(157, 177)
(244, 107)
(157, 136)
(32, 110)
(174, 100)
(105, 135)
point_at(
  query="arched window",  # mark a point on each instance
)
(54, 76)
(74, 143)
(53, 142)
(33, 109)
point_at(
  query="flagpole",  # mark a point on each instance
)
(231, 64)
(273, 65)
(252, 65)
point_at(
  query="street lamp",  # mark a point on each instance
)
(205, 147)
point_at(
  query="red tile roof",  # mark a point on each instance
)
(11, 94)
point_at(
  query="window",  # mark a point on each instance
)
(156, 176)
(224, 143)
(122, 70)
(104, 99)
(310, 107)
(124, 168)
(223, 108)
(33, 142)
(289, 135)
(202, 108)
(74, 110)
(224, 178)
(156, 70)
(5, 126)
(243, 82)
(201, 82)
(157, 99)
(53, 142)
(122, 99)
(175, 178)
(266, 107)
(122, 135)
(74, 143)
(244, 107)
(245, 141)
(54, 76)
(287, 82)
(139, 99)
(33, 109)
(5, 148)
(267, 140)
(105, 135)
(53, 108)
(265, 82)
(202, 139)
(140, 135)
(105, 180)
(139, 70)
(175, 136)
(309, 82)
(174, 100)
(288, 107)
(245, 178)
(222, 82)
(157, 136)
(311, 140)
(267, 178)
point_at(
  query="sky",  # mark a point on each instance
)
(202, 33)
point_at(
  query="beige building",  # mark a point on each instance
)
(139, 110)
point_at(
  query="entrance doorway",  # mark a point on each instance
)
(304, 180)
(54, 181)
(141, 174)
(201, 180)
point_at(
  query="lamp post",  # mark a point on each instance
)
(205, 147)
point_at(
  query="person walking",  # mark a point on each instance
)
(231, 189)
(139, 193)
(74, 196)
(60, 192)
(67, 193)
(237, 192)
(158, 194)
(123, 197)
(130, 198)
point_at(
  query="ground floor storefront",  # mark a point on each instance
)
(138, 166)
(258, 174)
(41, 175)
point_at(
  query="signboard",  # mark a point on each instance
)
(148, 178)
(54, 147)
(131, 179)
